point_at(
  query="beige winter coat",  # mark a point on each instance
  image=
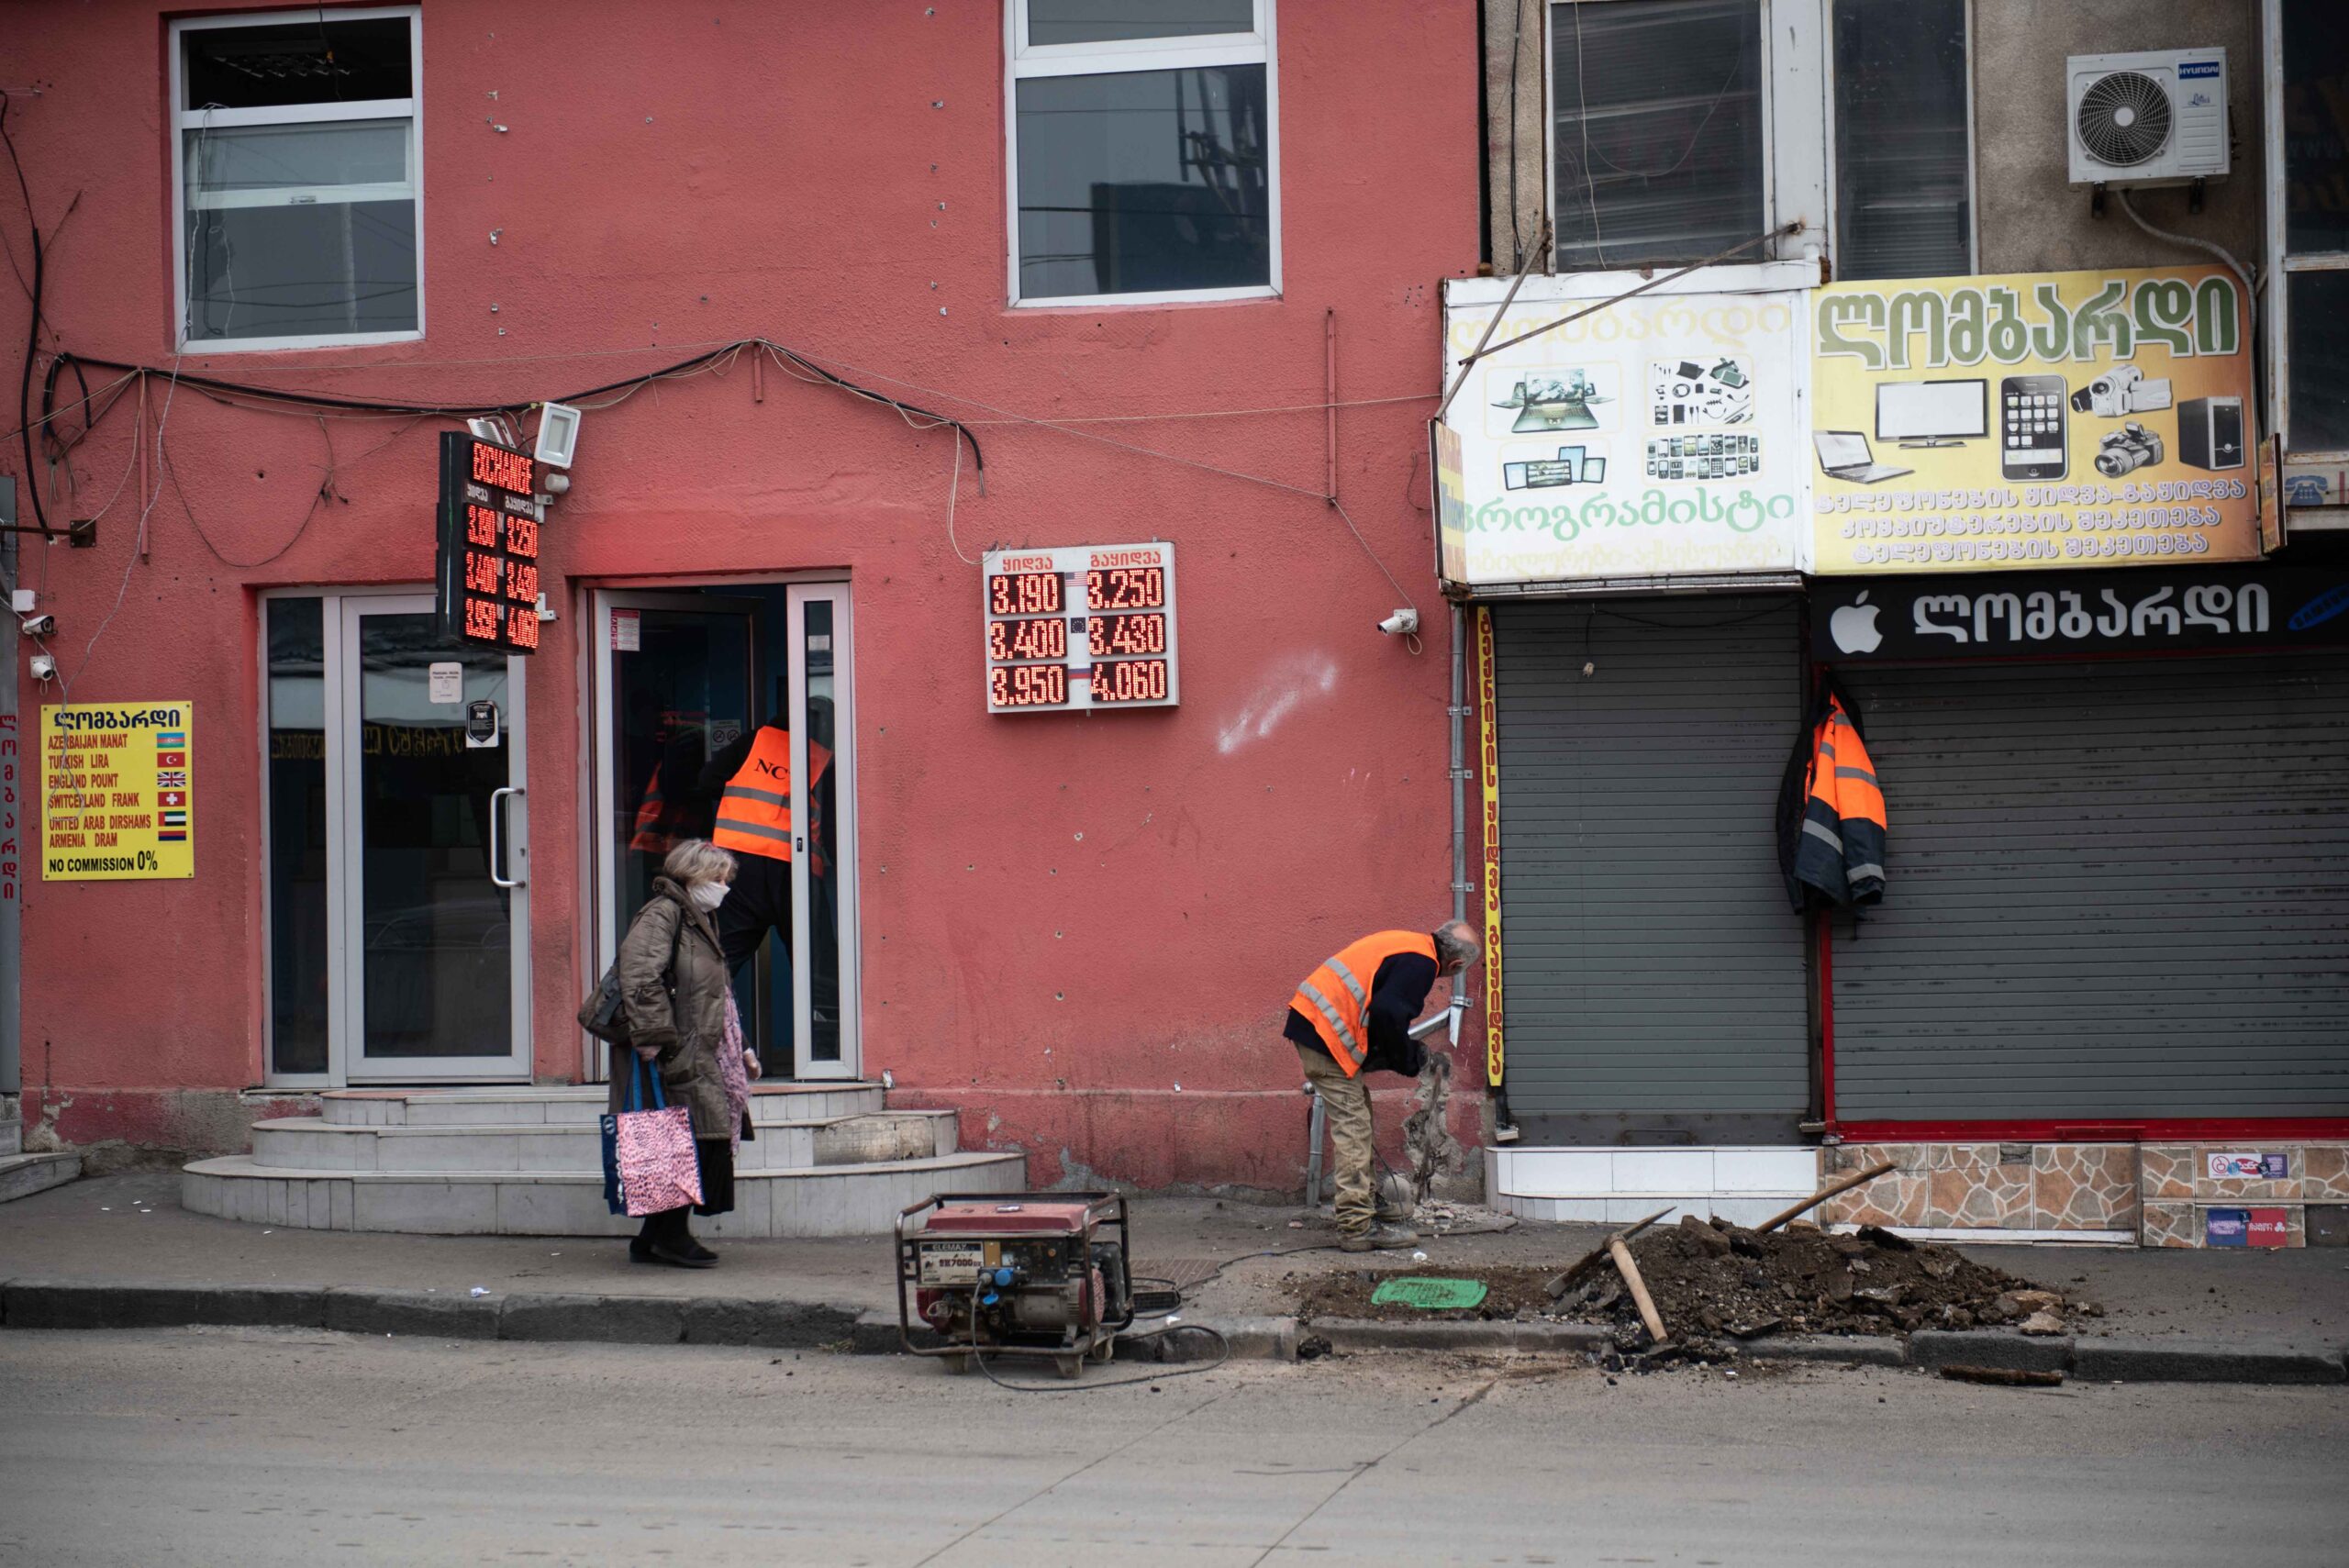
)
(689, 1029)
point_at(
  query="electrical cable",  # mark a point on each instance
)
(32, 329)
(1223, 1354)
(2249, 289)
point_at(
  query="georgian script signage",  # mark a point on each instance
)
(2143, 610)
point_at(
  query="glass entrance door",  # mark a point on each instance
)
(695, 691)
(434, 854)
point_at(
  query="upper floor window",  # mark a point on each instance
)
(2308, 227)
(1680, 129)
(295, 162)
(1145, 151)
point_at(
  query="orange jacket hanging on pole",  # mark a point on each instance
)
(1840, 843)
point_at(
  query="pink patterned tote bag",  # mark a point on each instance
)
(649, 1162)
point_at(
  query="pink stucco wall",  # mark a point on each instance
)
(1064, 918)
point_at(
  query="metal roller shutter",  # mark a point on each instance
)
(1653, 974)
(2119, 891)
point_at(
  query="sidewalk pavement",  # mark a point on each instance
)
(119, 1251)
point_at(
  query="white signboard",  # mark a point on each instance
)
(1663, 437)
(1082, 627)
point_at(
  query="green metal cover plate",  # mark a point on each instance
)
(1429, 1294)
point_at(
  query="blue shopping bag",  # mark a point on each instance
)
(650, 1161)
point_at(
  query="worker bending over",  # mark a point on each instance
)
(1350, 1016)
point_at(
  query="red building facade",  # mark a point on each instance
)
(1168, 289)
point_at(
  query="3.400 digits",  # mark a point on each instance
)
(1028, 639)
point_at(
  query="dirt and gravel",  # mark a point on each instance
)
(1716, 1281)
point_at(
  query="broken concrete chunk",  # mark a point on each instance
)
(2040, 1323)
(2037, 1300)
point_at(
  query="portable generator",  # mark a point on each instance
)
(1031, 1274)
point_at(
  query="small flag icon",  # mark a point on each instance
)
(171, 758)
(168, 739)
(174, 797)
(174, 818)
(170, 781)
(171, 836)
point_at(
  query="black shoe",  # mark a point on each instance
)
(701, 1255)
(669, 1252)
(640, 1248)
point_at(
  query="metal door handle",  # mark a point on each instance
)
(497, 817)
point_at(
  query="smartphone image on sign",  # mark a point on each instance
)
(2030, 427)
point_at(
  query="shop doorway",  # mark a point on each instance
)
(697, 689)
(398, 848)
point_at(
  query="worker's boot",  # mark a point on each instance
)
(1380, 1237)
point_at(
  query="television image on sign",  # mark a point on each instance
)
(1932, 413)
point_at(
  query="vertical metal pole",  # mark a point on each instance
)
(1329, 403)
(16, 847)
(1459, 762)
(1315, 1127)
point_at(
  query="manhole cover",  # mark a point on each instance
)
(1429, 1294)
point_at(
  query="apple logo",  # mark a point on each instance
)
(1853, 627)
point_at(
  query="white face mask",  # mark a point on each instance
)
(707, 895)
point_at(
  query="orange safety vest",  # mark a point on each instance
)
(646, 836)
(754, 813)
(1335, 997)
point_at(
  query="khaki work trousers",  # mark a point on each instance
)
(1345, 1103)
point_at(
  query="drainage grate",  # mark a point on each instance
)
(1429, 1294)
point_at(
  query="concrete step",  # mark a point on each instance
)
(1743, 1183)
(575, 1104)
(832, 1200)
(21, 1175)
(12, 1137)
(310, 1143)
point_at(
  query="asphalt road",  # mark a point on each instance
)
(259, 1447)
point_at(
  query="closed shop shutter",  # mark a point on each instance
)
(1653, 974)
(2118, 890)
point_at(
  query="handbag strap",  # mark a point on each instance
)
(637, 1079)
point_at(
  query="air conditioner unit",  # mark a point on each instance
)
(2155, 119)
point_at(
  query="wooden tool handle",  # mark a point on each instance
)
(1640, 1296)
(1823, 1194)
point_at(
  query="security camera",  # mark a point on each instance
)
(1402, 623)
(44, 667)
(40, 626)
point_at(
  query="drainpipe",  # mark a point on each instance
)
(1504, 1124)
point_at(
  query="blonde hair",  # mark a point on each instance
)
(698, 859)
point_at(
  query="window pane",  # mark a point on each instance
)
(1143, 181)
(1659, 129)
(1104, 21)
(227, 164)
(297, 836)
(2319, 362)
(1900, 159)
(320, 62)
(322, 269)
(2316, 127)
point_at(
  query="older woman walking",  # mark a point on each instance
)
(674, 988)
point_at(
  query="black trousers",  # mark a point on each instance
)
(759, 902)
(717, 1191)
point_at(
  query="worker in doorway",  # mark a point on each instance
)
(1350, 1016)
(751, 778)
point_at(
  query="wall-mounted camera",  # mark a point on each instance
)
(2119, 392)
(2126, 450)
(44, 667)
(1402, 623)
(39, 626)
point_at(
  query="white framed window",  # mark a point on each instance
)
(1678, 129)
(2307, 299)
(1144, 151)
(297, 187)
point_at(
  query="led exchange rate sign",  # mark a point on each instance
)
(1080, 628)
(488, 577)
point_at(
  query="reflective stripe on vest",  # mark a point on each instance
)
(646, 837)
(1335, 998)
(754, 814)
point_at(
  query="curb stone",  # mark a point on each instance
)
(1866, 1351)
(732, 1321)
(2203, 1361)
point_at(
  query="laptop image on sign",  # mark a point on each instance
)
(1845, 454)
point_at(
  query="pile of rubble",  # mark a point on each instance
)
(1715, 1279)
